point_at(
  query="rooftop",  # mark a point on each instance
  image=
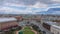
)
(50, 23)
(57, 27)
(54, 24)
(7, 19)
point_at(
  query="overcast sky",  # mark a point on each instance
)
(27, 6)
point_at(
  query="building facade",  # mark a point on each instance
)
(55, 29)
(7, 24)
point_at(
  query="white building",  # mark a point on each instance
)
(55, 29)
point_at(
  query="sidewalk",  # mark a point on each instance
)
(17, 32)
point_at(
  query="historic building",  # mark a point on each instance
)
(53, 27)
(8, 24)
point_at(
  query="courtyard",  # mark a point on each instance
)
(26, 30)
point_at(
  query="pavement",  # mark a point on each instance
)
(34, 30)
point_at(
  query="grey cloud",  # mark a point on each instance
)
(46, 1)
(27, 2)
(1, 2)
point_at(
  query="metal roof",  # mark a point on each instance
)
(50, 23)
(7, 19)
(57, 27)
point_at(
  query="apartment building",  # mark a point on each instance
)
(53, 27)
